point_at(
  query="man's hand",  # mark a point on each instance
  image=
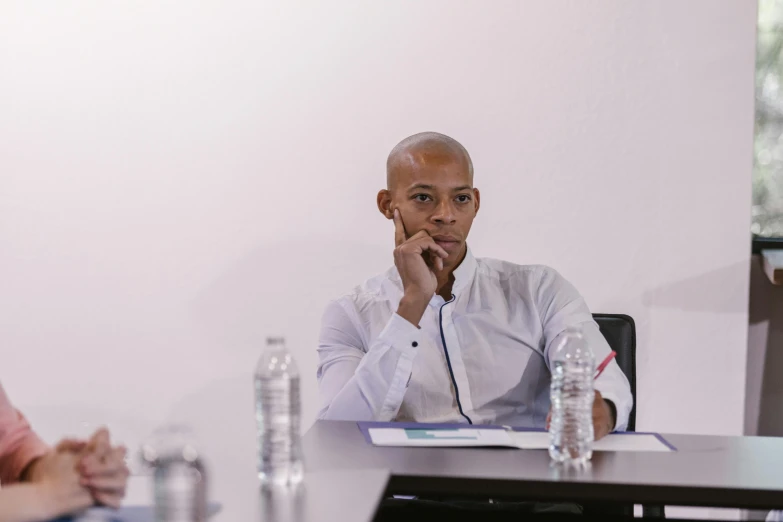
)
(603, 417)
(416, 258)
(103, 469)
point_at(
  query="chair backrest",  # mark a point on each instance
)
(620, 332)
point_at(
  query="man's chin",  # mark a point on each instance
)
(455, 256)
(453, 248)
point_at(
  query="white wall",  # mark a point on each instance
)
(180, 179)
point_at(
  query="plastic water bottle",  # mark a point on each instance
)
(180, 480)
(278, 411)
(572, 395)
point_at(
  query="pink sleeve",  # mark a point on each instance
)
(19, 445)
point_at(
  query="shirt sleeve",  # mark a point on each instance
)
(364, 383)
(19, 445)
(562, 307)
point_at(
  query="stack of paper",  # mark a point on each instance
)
(493, 437)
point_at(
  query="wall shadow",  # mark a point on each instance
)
(765, 355)
(702, 293)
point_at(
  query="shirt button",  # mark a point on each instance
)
(414, 344)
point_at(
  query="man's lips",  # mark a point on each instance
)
(446, 241)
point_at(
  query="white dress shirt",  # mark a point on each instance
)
(482, 357)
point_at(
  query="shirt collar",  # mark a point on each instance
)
(463, 274)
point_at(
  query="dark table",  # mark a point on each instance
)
(736, 472)
(323, 496)
(327, 496)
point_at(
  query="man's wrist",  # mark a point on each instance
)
(612, 414)
(412, 307)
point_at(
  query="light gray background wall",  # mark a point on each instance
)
(181, 179)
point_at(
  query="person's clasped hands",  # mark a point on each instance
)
(83, 473)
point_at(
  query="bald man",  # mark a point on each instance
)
(444, 336)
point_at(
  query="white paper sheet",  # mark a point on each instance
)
(440, 437)
(531, 439)
(477, 437)
(612, 442)
(630, 442)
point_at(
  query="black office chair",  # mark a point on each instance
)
(620, 332)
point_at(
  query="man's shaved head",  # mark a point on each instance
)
(429, 191)
(430, 148)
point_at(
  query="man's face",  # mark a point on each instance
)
(435, 193)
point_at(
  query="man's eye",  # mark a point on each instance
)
(463, 198)
(421, 197)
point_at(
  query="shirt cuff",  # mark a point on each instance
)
(622, 411)
(402, 334)
(406, 338)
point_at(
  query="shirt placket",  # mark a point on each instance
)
(453, 347)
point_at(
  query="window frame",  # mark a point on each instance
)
(766, 243)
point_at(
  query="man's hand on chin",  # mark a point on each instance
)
(418, 278)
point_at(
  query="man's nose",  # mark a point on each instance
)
(444, 213)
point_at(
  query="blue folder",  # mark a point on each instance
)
(365, 426)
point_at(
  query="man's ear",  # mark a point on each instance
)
(477, 199)
(384, 204)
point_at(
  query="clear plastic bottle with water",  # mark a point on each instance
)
(278, 411)
(571, 395)
(180, 479)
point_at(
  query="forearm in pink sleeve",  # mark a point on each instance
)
(19, 445)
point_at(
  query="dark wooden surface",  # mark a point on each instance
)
(327, 496)
(742, 472)
(324, 496)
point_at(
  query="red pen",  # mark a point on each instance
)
(604, 364)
